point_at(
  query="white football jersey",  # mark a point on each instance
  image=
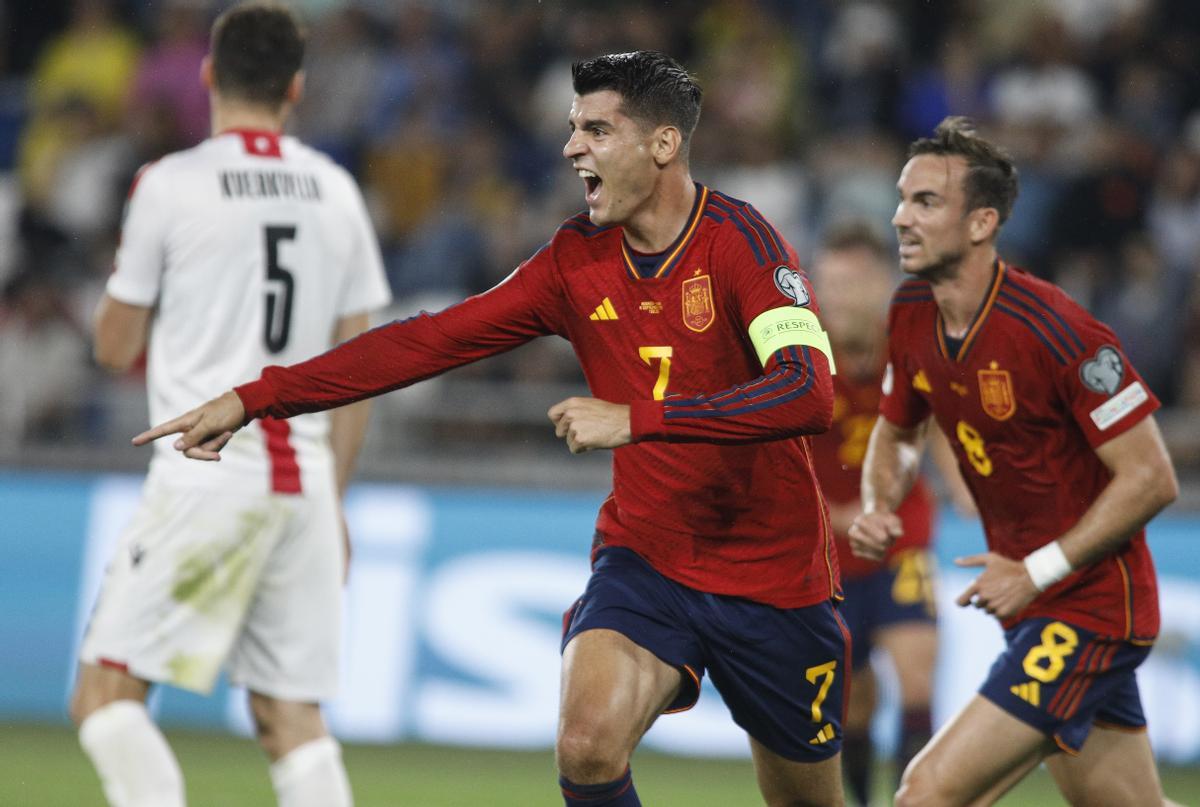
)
(251, 247)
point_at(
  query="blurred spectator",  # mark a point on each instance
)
(89, 66)
(341, 67)
(862, 62)
(47, 350)
(955, 85)
(1045, 86)
(855, 177)
(1174, 214)
(755, 84)
(83, 198)
(1146, 306)
(168, 105)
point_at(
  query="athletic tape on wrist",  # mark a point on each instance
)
(1048, 565)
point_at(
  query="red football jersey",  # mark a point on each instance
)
(1034, 387)
(718, 490)
(839, 455)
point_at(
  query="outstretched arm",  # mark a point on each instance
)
(383, 359)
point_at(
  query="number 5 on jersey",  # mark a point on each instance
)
(280, 288)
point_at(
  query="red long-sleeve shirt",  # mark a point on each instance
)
(718, 490)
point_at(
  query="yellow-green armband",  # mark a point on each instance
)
(790, 326)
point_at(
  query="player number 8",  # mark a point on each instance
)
(973, 445)
(1058, 642)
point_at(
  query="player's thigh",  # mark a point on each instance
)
(1115, 767)
(912, 648)
(288, 646)
(788, 783)
(612, 691)
(177, 590)
(980, 748)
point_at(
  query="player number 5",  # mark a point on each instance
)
(281, 287)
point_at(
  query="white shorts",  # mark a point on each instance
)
(205, 578)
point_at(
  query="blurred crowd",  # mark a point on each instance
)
(452, 114)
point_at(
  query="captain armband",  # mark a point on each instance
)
(790, 326)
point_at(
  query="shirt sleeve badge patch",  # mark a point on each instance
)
(1103, 372)
(791, 285)
(996, 393)
(698, 309)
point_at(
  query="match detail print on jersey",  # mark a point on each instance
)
(789, 327)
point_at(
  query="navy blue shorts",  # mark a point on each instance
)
(780, 671)
(1062, 679)
(901, 591)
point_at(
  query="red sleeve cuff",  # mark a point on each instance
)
(646, 421)
(257, 397)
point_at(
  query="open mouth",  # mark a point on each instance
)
(591, 182)
(909, 245)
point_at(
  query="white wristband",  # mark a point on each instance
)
(1048, 565)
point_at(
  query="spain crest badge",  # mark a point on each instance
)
(996, 392)
(698, 309)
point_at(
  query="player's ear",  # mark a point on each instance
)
(666, 145)
(295, 90)
(983, 224)
(206, 73)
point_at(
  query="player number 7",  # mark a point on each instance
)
(825, 672)
(663, 354)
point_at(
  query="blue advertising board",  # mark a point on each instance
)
(453, 614)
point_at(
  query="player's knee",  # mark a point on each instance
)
(920, 788)
(586, 756)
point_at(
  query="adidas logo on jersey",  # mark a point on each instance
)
(1030, 692)
(604, 311)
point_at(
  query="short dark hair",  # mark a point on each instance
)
(851, 234)
(991, 179)
(654, 88)
(257, 48)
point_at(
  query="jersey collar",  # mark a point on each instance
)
(998, 271)
(257, 142)
(669, 257)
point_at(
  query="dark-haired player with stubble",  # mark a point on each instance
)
(700, 341)
(1055, 437)
(249, 248)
